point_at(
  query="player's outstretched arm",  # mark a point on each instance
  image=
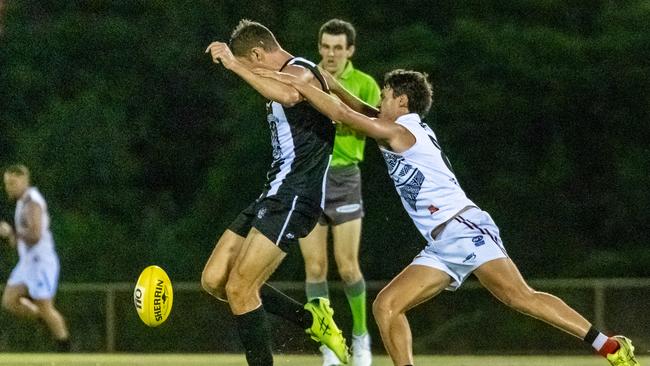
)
(334, 108)
(268, 88)
(348, 98)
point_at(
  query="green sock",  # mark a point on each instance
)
(356, 294)
(316, 289)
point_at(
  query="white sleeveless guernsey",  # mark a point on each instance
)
(423, 178)
(46, 243)
(38, 265)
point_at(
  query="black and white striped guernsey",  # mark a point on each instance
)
(302, 140)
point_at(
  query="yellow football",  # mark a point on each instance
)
(153, 296)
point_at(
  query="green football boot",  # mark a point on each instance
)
(324, 330)
(624, 356)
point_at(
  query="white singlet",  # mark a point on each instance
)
(38, 265)
(431, 196)
(423, 178)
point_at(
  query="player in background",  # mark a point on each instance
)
(33, 282)
(461, 238)
(343, 209)
(289, 206)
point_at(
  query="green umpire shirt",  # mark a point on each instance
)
(349, 145)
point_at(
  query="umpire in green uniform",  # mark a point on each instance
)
(343, 203)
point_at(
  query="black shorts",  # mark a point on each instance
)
(283, 220)
(343, 201)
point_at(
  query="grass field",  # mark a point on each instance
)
(96, 359)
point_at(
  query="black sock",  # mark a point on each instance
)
(255, 336)
(277, 303)
(63, 345)
(591, 335)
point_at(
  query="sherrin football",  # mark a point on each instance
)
(153, 296)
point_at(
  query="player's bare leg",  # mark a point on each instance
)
(15, 300)
(53, 319)
(217, 269)
(414, 285)
(502, 278)
(314, 253)
(27, 302)
(346, 250)
(257, 260)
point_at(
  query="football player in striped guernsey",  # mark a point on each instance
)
(288, 209)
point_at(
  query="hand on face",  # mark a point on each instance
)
(221, 53)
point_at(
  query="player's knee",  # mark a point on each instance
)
(236, 289)
(315, 271)
(9, 302)
(383, 308)
(7, 305)
(350, 273)
(207, 282)
(213, 284)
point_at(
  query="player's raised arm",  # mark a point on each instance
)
(378, 129)
(268, 88)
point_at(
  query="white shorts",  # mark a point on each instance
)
(467, 241)
(39, 272)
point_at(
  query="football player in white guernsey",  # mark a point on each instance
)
(32, 284)
(255, 244)
(461, 238)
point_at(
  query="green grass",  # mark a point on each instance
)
(98, 359)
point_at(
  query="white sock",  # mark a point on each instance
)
(599, 342)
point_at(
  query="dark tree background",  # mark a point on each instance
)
(146, 151)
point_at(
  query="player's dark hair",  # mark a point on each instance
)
(336, 27)
(414, 85)
(248, 34)
(17, 169)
